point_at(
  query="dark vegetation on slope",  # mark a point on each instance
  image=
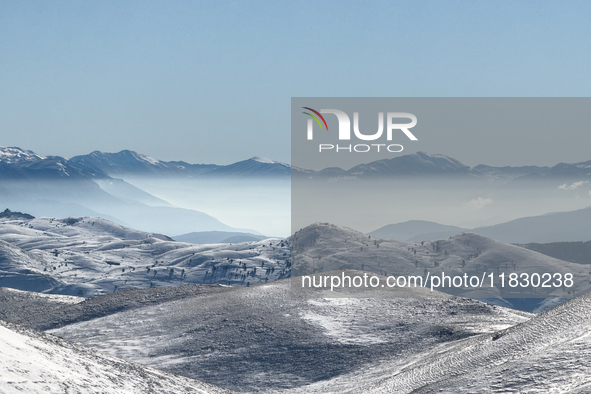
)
(42, 314)
(8, 214)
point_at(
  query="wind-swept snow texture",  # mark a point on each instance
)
(551, 353)
(35, 363)
(262, 337)
(92, 256)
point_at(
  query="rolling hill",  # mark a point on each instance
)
(325, 247)
(92, 256)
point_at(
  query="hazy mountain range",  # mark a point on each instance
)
(214, 237)
(90, 185)
(551, 227)
(16, 163)
(422, 164)
(576, 252)
(222, 313)
(19, 163)
(131, 163)
(54, 186)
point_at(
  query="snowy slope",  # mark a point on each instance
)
(20, 270)
(92, 256)
(35, 363)
(550, 353)
(265, 337)
(15, 155)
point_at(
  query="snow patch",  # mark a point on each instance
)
(263, 160)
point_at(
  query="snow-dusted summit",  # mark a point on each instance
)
(14, 155)
(130, 163)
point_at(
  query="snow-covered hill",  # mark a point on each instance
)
(92, 256)
(36, 363)
(326, 247)
(265, 337)
(17, 305)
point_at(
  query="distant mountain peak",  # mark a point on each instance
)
(125, 153)
(262, 160)
(130, 162)
(13, 155)
(149, 159)
(437, 156)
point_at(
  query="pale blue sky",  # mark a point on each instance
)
(211, 81)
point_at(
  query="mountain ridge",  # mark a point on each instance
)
(568, 226)
(99, 164)
(130, 163)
